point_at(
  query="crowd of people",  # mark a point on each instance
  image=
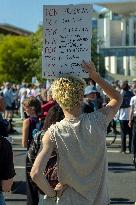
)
(74, 117)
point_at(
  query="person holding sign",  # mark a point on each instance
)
(80, 142)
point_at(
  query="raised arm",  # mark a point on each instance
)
(114, 95)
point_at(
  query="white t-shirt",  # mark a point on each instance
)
(133, 104)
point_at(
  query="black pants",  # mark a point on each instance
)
(125, 129)
(134, 136)
(31, 188)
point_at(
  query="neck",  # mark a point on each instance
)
(75, 113)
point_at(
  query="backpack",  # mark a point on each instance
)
(127, 95)
(35, 127)
(35, 146)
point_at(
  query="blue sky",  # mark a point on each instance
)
(27, 14)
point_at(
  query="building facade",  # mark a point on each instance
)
(7, 29)
(117, 32)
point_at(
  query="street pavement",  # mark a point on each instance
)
(122, 174)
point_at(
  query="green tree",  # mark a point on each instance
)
(37, 44)
(15, 55)
(96, 57)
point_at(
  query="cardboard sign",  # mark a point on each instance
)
(67, 40)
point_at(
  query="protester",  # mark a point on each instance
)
(7, 171)
(23, 97)
(134, 83)
(50, 103)
(124, 117)
(132, 123)
(55, 114)
(2, 106)
(4, 124)
(42, 96)
(6, 167)
(79, 140)
(89, 99)
(32, 107)
(9, 100)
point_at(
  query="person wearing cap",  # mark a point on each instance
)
(89, 99)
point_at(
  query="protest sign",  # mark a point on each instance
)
(67, 40)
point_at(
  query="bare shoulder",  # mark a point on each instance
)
(46, 140)
(26, 122)
(46, 137)
(108, 112)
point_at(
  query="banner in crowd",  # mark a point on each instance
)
(67, 40)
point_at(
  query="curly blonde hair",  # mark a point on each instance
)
(68, 91)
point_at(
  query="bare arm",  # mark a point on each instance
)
(114, 95)
(40, 165)
(25, 132)
(6, 185)
(2, 104)
(130, 116)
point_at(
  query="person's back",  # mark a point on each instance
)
(55, 114)
(3, 123)
(32, 108)
(80, 143)
(82, 149)
(124, 117)
(7, 171)
(132, 124)
(127, 94)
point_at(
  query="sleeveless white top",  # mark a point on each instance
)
(82, 156)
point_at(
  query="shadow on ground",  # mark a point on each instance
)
(121, 201)
(120, 167)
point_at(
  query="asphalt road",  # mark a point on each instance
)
(122, 175)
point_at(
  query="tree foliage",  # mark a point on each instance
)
(15, 55)
(37, 44)
(96, 57)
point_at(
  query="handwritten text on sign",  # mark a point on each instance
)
(67, 39)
